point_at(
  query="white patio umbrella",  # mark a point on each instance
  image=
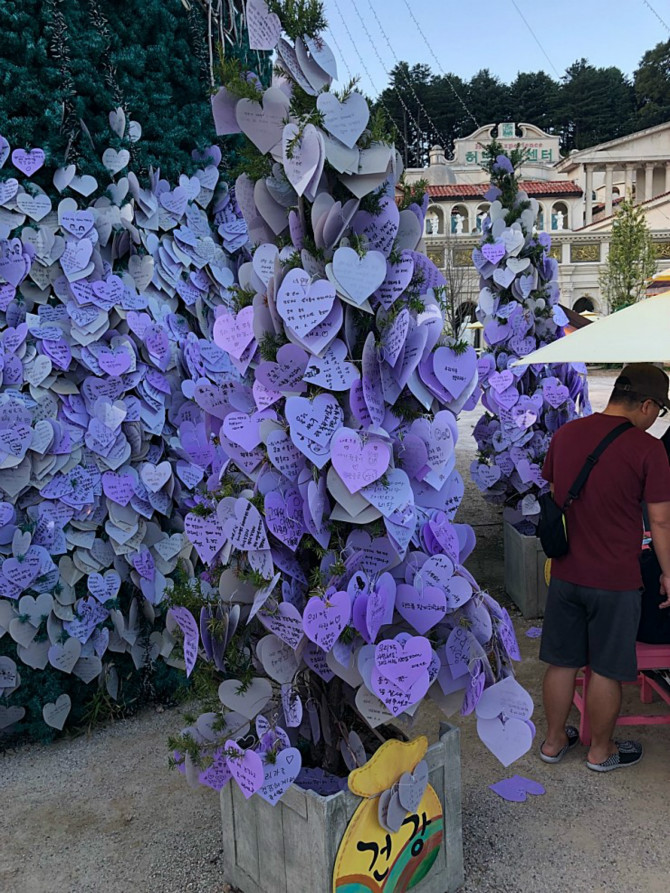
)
(636, 334)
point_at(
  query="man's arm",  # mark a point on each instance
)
(659, 521)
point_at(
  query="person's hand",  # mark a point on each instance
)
(665, 590)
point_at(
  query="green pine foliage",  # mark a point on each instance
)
(631, 260)
(65, 64)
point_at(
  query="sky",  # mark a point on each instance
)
(467, 35)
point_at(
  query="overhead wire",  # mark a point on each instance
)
(369, 76)
(535, 38)
(439, 65)
(662, 21)
(409, 84)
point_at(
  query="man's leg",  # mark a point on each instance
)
(564, 648)
(557, 691)
(603, 703)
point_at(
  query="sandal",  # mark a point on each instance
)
(628, 754)
(573, 739)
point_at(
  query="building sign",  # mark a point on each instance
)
(540, 147)
(395, 856)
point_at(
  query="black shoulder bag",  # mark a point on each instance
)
(552, 527)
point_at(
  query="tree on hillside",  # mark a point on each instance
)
(652, 86)
(631, 258)
(406, 101)
(596, 105)
(534, 99)
(489, 98)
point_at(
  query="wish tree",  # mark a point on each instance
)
(331, 596)
(518, 307)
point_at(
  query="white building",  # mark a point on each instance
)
(577, 197)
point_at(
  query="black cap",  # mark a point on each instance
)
(644, 380)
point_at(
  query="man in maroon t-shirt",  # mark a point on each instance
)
(593, 606)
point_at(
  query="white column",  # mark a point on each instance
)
(588, 189)
(648, 181)
(628, 186)
(609, 170)
(667, 176)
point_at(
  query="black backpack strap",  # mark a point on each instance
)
(591, 460)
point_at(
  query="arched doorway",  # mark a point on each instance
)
(559, 216)
(434, 221)
(460, 224)
(482, 214)
(584, 305)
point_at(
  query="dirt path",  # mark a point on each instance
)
(104, 814)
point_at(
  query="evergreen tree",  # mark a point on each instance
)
(631, 258)
(488, 98)
(65, 64)
(596, 105)
(534, 99)
(652, 86)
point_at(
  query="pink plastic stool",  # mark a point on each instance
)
(649, 657)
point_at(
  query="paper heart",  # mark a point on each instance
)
(303, 156)
(104, 587)
(325, 618)
(115, 161)
(55, 713)
(331, 371)
(263, 123)
(345, 120)
(206, 534)
(280, 774)
(286, 374)
(359, 276)
(234, 334)
(304, 304)
(246, 529)
(4, 150)
(155, 477)
(508, 739)
(454, 370)
(412, 786)
(493, 251)
(358, 462)
(36, 207)
(313, 424)
(264, 27)
(284, 516)
(422, 609)
(403, 663)
(28, 161)
(246, 768)
(64, 657)
(247, 701)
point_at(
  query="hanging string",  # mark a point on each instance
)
(651, 8)
(536, 38)
(369, 76)
(436, 132)
(439, 65)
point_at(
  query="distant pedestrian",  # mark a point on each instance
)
(594, 601)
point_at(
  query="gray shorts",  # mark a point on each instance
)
(596, 627)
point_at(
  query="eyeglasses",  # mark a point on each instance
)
(661, 409)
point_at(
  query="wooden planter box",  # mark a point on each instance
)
(291, 847)
(524, 571)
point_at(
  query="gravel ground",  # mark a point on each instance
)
(104, 813)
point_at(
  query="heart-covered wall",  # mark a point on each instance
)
(334, 595)
(518, 307)
(108, 290)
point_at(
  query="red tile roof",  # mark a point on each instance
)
(535, 188)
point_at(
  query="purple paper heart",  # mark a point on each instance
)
(325, 618)
(358, 462)
(403, 663)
